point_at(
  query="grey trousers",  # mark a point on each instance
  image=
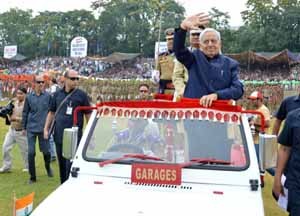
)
(13, 137)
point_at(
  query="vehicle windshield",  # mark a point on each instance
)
(171, 140)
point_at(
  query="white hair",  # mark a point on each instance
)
(209, 30)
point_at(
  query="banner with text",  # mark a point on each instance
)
(10, 51)
(79, 47)
(160, 47)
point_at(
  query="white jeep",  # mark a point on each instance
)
(161, 158)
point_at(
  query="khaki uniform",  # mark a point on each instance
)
(15, 136)
(166, 68)
(180, 77)
(265, 111)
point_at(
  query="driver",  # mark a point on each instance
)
(139, 132)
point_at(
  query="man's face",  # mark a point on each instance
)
(254, 103)
(143, 92)
(170, 42)
(72, 79)
(39, 83)
(210, 44)
(194, 40)
(20, 95)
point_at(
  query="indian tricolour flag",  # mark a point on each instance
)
(23, 206)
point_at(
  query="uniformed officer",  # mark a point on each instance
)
(165, 64)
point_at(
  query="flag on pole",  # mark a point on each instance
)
(23, 206)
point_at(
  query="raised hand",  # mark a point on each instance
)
(193, 22)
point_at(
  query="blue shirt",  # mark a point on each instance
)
(290, 136)
(35, 111)
(206, 76)
(287, 105)
(64, 119)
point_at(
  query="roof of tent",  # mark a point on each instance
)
(266, 58)
(18, 57)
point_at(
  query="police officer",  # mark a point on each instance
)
(165, 64)
(289, 159)
(14, 134)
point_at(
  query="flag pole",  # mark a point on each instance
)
(14, 203)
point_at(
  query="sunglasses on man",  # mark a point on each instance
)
(40, 82)
(195, 34)
(73, 78)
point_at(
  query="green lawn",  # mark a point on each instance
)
(18, 181)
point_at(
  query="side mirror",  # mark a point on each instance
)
(70, 142)
(267, 151)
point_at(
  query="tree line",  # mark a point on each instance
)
(134, 26)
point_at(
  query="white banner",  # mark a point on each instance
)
(160, 47)
(10, 51)
(79, 47)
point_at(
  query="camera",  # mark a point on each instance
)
(7, 110)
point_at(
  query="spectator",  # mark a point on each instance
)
(14, 134)
(61, 111)
(212, 75)
(34, 116)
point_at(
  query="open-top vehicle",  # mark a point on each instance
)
(160, 158)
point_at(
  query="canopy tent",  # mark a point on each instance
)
(250, 59)
(119, 57)
(18, 57)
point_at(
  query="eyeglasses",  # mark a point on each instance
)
(143, 91)
(74, 78)
(39, 82)
(195, 34)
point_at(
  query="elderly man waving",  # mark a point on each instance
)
(212, 75)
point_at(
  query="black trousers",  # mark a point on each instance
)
(44, 147)
(163, 85)
(63, 163)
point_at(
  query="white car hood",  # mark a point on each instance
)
(110, 197)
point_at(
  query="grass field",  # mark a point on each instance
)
(17, 181)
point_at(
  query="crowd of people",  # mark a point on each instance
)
(268, 75)
(95, 67)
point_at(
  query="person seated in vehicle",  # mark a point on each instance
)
(142, 133)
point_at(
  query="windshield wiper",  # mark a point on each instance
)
(205, 161)
(138, 156)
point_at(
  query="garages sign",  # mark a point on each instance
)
(79, 47)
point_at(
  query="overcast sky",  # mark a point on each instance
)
(233, 7)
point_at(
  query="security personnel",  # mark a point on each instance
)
(288, 161)
(165, 64)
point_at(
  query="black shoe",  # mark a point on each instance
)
(32, 181)
(53, 158)
(50, 172)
